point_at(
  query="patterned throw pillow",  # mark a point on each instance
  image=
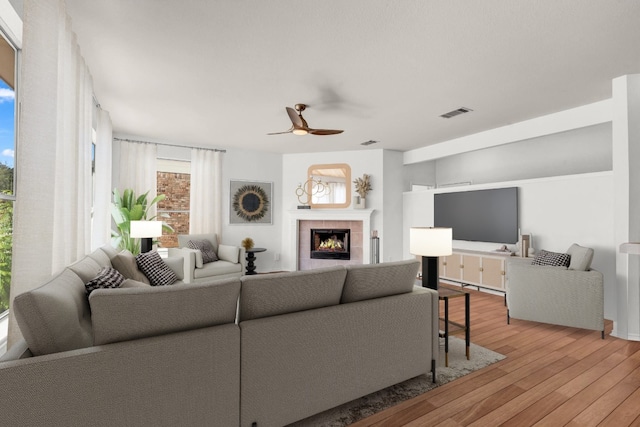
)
(156, 270)
(204, 246)
(108, 277)
(552, 258)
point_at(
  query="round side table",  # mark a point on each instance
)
(251, 256)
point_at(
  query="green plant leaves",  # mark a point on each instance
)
(127, 208)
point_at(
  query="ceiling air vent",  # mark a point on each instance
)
(369, 142)
(457, 112)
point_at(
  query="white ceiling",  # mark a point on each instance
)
(220, 73)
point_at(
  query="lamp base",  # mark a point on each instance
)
(146, 244)
(430, 274)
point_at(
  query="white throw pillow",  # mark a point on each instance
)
(228, 253)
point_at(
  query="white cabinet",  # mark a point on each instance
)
(483, 269)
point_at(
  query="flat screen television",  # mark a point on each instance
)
(479, 215)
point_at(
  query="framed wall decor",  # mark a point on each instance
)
(251, 202)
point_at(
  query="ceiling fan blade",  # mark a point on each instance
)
(295, 118)
(282, 133)
(279, 133)
(325, 131)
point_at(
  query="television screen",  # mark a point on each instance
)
(480, 215)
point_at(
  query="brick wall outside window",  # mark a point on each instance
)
(177, 187)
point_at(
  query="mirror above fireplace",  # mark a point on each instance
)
(334, 190)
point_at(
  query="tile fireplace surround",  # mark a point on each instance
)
(301, 221)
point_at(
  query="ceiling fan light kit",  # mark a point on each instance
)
(299, 125)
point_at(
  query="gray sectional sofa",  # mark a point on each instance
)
(266, 349)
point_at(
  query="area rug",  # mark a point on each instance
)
(368, 405)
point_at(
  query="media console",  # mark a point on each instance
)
(475, 268)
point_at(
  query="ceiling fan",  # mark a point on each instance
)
(299, 124)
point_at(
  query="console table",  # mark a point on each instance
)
(251, 257)
(481, 269)
(444, 294)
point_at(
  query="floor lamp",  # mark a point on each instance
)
(146, 230)
(430, 243)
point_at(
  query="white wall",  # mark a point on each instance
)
(556, 211)
(392, 244)
(255, 166)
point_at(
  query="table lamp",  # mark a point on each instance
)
(430, 243)
(146, 230)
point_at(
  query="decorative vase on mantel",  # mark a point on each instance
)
(363, 186)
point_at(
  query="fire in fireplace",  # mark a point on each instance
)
(330, 244)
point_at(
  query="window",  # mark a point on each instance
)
(174, 181)
(7, 169)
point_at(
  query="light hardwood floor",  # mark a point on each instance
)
(552, 376)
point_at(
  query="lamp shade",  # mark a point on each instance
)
(431, 241)
(146, 229)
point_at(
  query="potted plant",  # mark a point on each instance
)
(127, 208)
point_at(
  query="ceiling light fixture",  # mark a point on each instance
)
(300, 132)
(461, 110)
(369, 142)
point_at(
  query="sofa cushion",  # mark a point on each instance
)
(206, 248)
(130, 283)
(216, 269)
(581, 257)
(265, 295)
(126, 314)
(126, 264)
(109, 250)
(108, 277)
(156, 270)
(228, 253)
(87, 268)
(555, 259)
(379, 280)
(55, 317)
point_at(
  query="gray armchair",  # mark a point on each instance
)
(230, 259)
(572, 296)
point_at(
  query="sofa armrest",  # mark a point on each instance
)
(176, 263)
(189, 264)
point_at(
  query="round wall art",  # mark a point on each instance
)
(250, 202)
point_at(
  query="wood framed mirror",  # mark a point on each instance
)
(329, 185)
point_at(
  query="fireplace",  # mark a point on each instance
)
(330, 243)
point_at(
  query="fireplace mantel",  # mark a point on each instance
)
(297, 215)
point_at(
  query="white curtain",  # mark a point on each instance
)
(101, 226)
(206, 192)
(138, 170)
(53, 189)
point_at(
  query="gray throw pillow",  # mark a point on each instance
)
(204, 246)
(156, 270)
(126, 264)
(108, 277)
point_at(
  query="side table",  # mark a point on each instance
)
(251, 256)
(444, 294)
